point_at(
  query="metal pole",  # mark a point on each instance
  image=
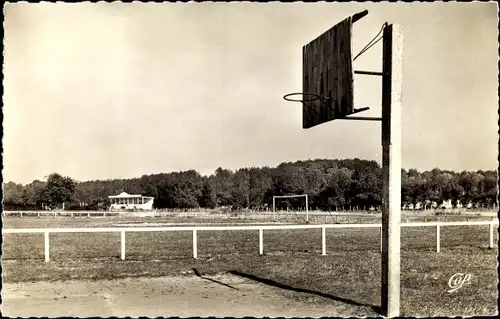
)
(381, 239)
(307, 209)
(274, 207)
(261, 241)
(47, 246)
(438, 235)
(323, 241)
(391, 168)
(195, 244)
(122, 241)
(491, 236)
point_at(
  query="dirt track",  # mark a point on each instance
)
(223, 295)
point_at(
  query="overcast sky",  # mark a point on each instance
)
(98, 91)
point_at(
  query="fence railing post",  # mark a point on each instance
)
(438, 238)
(122, 242)
(381, 238)
(490, 245)
(47, 246)
(195, 244)
(323, 241)
(307, 210)
(261, 241)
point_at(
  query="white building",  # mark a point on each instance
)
(446, 204)
(125, 201)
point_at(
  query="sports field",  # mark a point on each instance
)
(292, 278)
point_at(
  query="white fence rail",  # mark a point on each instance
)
(260, 228)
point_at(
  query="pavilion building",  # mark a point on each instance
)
(124, 201)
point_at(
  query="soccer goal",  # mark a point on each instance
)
(290, 196)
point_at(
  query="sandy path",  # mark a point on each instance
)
(223, 295)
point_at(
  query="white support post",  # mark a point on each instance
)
(274, 208)
(307, 209)
(47, 246)
(491, 236)
(122, 242)
(195, 244)
(261, 241)
(381, 239)
(323, 241)
(88, 214)
(38, 214)
(392, 70)
(438, 238)
(71, 214)
(21, 214)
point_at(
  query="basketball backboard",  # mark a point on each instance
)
(328, 72)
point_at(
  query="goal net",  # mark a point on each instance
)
(290, 205)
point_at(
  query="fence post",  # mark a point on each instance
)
(274, 209)
(261, 241)
(122, 241)
(195, 244)
(307, 210)
(38, 214)
(47, 246)
(491, 236)
(323, 241)
(88, 214)
(104, 214)
(71, 214)
(381, 233)
(438, 235)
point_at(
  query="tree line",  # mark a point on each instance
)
(330, 185)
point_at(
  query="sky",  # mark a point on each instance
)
(113, 90)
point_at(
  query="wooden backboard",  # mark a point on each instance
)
(327, 71)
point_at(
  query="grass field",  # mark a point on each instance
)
(292, 261)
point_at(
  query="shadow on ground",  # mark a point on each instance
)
(273, 283)
(197, 273)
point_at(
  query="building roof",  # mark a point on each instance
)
(125, 195)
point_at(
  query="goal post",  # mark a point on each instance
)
(291, 196)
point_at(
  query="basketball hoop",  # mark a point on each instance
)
(308, 97)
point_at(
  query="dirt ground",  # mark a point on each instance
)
(188, 296)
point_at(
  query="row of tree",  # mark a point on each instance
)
(330, 184)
